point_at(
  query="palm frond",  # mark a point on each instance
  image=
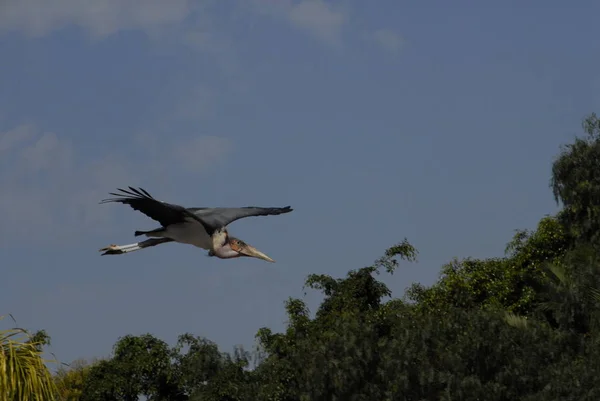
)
(23, 373)
(594, 293)
(517, 321)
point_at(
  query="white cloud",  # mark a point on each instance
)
(13, 137)
(51, 195)
(186, 21)
(28, 177)
(316, 17)
(388, 40)
(166, 22)
(319, 19)
(47, 153)
(169, 24)
(99, 17)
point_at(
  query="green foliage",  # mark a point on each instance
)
(510, 282)
(70, 382)
(404, 250)
(141, 365)
(576, 182)
(146, 366)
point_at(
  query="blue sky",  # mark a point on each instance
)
(436, 121)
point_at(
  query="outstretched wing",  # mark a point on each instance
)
(217, 217)
(140, 200)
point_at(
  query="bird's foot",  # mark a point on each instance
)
(111, 250)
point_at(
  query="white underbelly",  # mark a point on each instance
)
(189, 233)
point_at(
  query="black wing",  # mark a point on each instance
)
(217, 217)
(140, 200)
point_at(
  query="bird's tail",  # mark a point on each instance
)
(120, 249)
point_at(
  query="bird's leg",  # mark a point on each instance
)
(120, 249)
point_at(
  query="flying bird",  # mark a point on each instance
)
(203, 227)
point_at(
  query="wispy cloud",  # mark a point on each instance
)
(100, 18)
(13, 137)
(171, 25)
(318, 18)
(191, 22)
(188, 22)
(50, 193)
(388, 40)
(35, 167)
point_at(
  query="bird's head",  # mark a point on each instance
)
(227, 247)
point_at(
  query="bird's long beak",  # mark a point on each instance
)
(251, 251)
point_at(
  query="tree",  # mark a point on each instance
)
(334, 356)
(23, 373)
(70, 382)
(146, 366)
(141, 365)
(576, 183)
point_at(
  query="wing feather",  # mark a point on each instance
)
(140, 200)
(217, 217)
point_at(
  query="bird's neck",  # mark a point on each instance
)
(219, 239)
(221, 245)
(226, 252)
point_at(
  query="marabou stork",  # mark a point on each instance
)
(203, 227)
